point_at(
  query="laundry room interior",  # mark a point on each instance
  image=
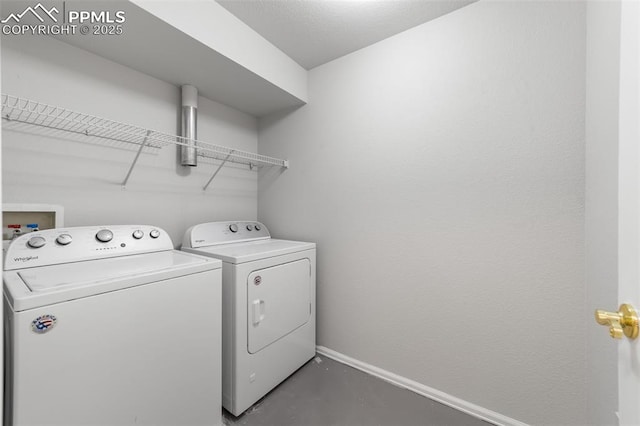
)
(458, 174)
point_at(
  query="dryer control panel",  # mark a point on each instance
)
(64, 245)
(214, 233)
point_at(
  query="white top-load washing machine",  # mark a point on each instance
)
(110, 326)
(268, 306)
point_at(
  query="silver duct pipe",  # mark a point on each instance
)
(188, 153)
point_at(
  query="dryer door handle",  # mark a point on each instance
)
(258, 311)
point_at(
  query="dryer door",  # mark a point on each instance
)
(278, 302)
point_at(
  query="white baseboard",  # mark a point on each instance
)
(420, 389)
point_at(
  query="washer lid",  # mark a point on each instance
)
(48, 278)
(254, 250)
(32, 287)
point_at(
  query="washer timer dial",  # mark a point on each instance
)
(104, 236)
(64, 239)
(36, 242)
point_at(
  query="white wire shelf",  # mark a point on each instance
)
(35, 113)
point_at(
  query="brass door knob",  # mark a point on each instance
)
(624, 322)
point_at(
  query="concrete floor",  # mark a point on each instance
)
(325, 392)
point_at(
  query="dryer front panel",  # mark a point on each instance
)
(278, 302)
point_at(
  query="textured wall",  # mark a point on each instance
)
(84, 178)
(441, 172)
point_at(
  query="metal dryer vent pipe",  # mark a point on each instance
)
(188, 153)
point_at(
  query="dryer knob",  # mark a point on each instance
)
(249, 227)
(36, 242)
(64, 239)
(154, 233)
(137, 234)
(104, 236)
(257, 227)
(233, 227)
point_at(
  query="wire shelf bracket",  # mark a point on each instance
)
(27, 111)
(135, 160)
(204, 188)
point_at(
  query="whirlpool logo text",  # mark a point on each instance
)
(24, 259)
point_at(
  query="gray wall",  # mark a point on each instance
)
(85, 178)
(601, 212)
(441, 173)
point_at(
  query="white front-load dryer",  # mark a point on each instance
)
(110, 326)
(268, 306)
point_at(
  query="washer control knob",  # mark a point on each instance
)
(137, 234)
(249, 227)
(64, 239)
(233, 227)
(36, 242)
(257, 227)
(154, 233)
(104, 236)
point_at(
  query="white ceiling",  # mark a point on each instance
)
(313, 32)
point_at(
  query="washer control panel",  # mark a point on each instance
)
(64, 245)
(214, 233)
